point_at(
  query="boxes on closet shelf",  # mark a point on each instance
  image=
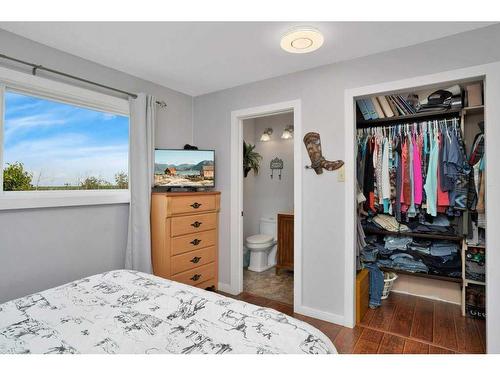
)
(474, 95)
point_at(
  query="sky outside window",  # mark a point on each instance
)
(62, 144)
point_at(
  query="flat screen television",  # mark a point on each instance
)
(184, 168)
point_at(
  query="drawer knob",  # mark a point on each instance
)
(195, 242)
(196, 277)
(196, 224)
(195, 260)
(196, 205)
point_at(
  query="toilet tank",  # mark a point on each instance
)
(268, 226)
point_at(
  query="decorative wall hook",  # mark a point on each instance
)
(276, 163)
(318, 162)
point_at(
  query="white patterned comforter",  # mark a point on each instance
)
(132, 312)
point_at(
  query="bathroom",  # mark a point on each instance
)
(268, 207)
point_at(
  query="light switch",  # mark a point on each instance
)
(341, 174)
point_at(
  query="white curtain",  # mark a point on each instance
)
(142, 125)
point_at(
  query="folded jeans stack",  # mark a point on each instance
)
(421, 246)
(447, 265)
(397, 242)
(443, 248)
(404, 262)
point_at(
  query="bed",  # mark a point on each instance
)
(126, 311)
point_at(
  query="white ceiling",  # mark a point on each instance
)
(197, 58)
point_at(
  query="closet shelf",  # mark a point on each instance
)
(424, 275)
(473, 110)
(430, 236)
(480, 246)
(361, 123)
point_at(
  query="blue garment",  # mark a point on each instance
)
(405, 262)
(376, 284)
(443, 248)
(396, 242)
(430, 186)
(369, 253)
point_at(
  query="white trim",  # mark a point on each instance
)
(226, 288)
(491, 74)
(61, 92)
(17, 200)
(236, 228)
(318, 314)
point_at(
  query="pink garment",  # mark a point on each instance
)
(417, 172)
(403, 162)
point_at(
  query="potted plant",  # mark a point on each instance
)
(251, 159)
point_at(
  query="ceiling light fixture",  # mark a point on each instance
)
(287, 132)
(302, 40)
(266, 136)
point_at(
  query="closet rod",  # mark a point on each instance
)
(404, 124)
(37, 67)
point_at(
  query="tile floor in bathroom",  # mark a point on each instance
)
(269, 285)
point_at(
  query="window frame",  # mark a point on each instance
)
(62, 92)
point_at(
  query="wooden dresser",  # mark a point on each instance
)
(284, 258)
(184, 237)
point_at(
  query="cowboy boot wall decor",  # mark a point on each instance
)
(318, 162)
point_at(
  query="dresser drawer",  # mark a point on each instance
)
(192, 224)
(192, 204)
(197, 275)
(193, 241)
(193, 259)
(207, 284)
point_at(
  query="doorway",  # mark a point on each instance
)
(487, 74)
(293, 109)
(268, 206)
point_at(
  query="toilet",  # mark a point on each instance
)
(262, 246)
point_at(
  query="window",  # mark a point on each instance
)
(50, 145)
(62, 144)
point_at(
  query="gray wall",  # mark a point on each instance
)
(263, 196)
(322, 93)
(46, 247)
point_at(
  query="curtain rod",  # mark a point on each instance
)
(36, 67)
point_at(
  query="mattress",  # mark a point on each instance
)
(132, 312)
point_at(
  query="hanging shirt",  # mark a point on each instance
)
(431, 179)
(442, 195)
(386, 183)
(412, 212)
(417, 172)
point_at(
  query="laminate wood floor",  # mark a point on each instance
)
(402, 325)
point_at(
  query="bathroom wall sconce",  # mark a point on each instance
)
(266, 136)
(287, 132)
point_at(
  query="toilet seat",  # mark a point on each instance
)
(260, 239)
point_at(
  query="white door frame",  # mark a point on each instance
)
(236, 228)
(491, 74)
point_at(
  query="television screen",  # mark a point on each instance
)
(184, 168)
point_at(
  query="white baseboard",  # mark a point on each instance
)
(318, 314)
(226, 288)
(422, 296)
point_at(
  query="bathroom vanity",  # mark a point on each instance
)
(285, 243)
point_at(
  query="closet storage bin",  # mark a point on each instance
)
(389, 278)
(475, 301)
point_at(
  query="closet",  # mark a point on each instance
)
(421, 192)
